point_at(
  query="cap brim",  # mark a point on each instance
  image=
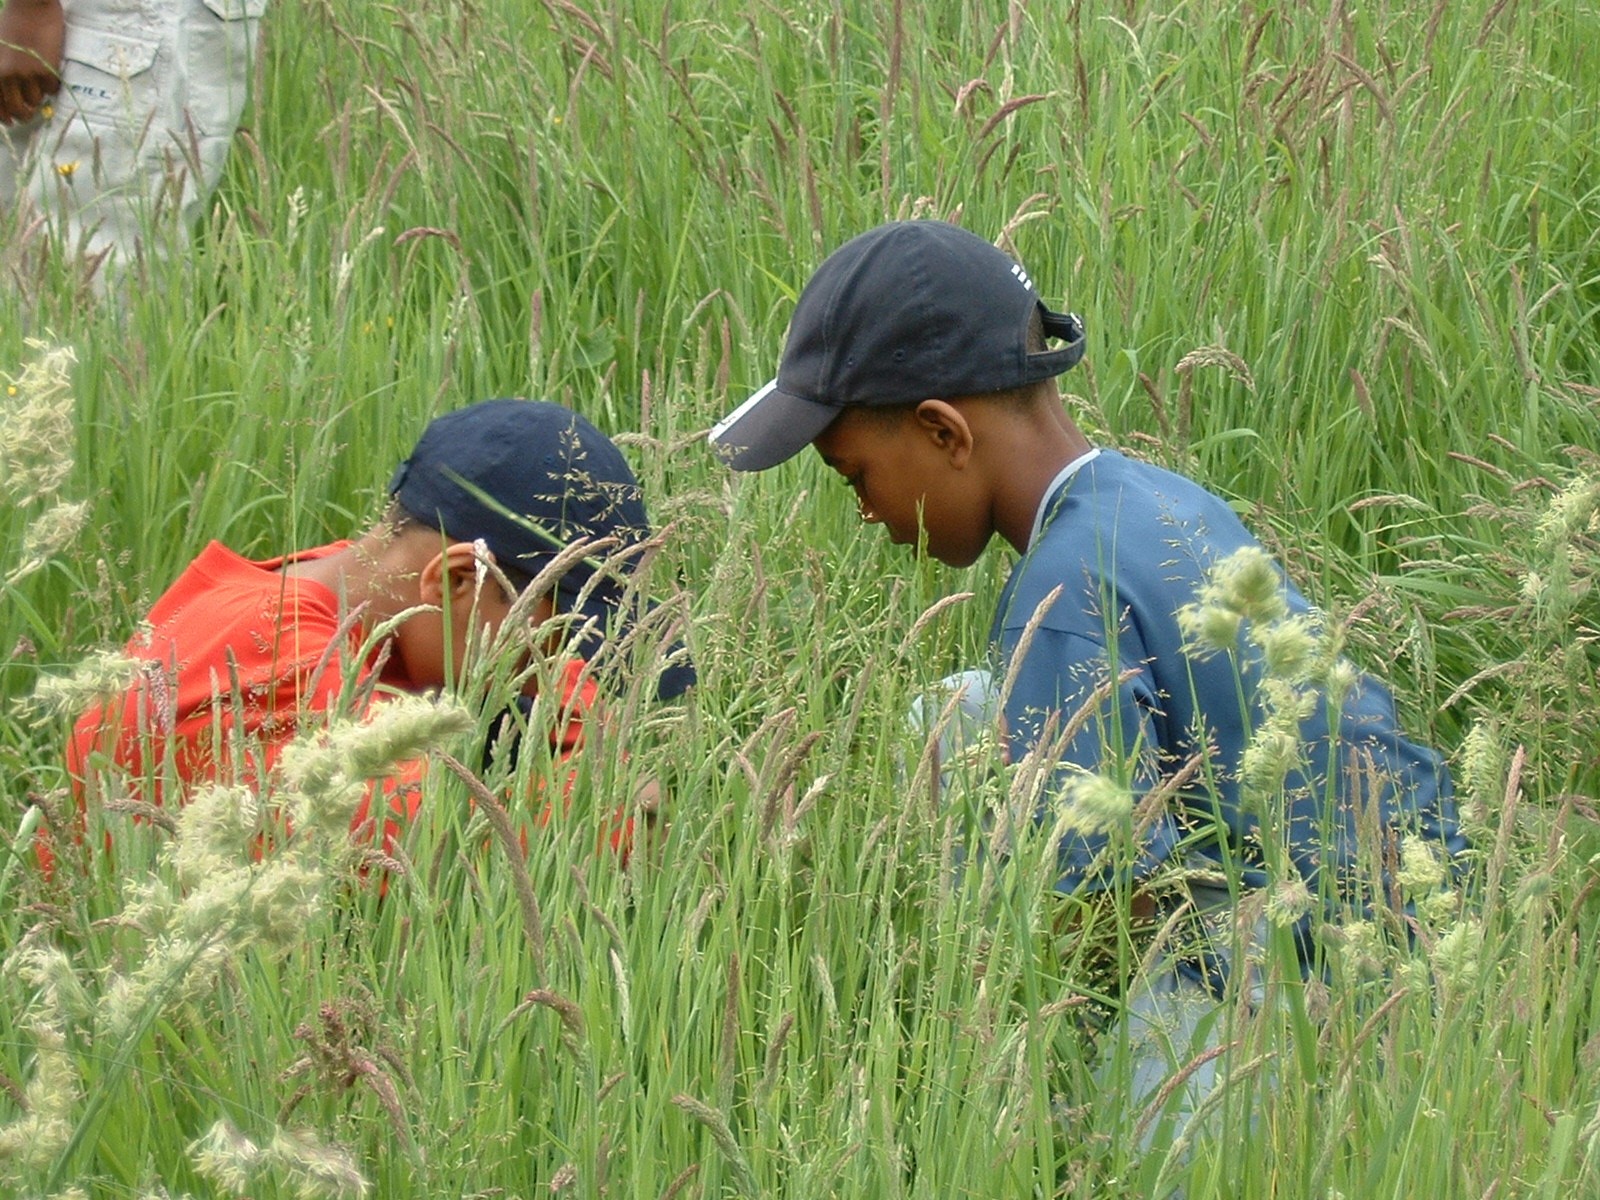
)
(769, 428)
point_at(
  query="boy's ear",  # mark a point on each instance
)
(449, 575)
(947, 427)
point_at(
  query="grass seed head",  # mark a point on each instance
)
(174, 970)
(215, 830)
(34, 1140)
(328, 772)
(1209, 628)
(1289, 648)
(97, 678)
(1342, 680)
(1288, 901)
(1438, 909)
(1243, 587)
(315, 1170)
(215, 904)
(1359, 950)
(1286, 702)
(1247, 581)
(1483, 767)
(1457, 955)
(287, 897)
(59, 993)
(36, 430)
(398, 731)
(323, 799)
(1572, 513)
(227, 1157)
(1096, 805)
(1273, 751)
(1421, 871)
(47, 535)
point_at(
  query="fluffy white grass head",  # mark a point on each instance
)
(316, 1170)
(215, 830)
(1421, 869)
(1288, 901)
(96, 678)
(47, 535)
(34, 1140)
(1573, 512)
(227, 1157)
(309, 1167)
(328, 773)
(396, 732)
(173, 971)
(58, 993)
(1096, 805)
(36, 430)
(287, 896)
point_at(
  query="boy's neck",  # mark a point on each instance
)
(1033, 452)
(365, 573)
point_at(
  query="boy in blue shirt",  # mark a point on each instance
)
(918, 367)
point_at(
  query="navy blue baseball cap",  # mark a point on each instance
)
(906, 312)
(530, 478)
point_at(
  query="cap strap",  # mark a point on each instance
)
(1065, 327)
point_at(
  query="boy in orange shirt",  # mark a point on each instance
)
(239, 657)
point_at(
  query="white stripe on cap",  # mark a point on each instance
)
(733, 418)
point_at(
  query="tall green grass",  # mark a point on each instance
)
(1340, 263)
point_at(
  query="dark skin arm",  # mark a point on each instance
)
(32, 34)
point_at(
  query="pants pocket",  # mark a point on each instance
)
(109, 79)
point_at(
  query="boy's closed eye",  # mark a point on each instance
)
(858, 485)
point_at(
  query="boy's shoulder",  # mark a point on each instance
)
(1122, 533)
(220, 573)
(1131, 510)
(228, 610)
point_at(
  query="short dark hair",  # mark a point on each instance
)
(400, 520)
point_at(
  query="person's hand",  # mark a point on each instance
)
(32, 35)
(647, 798)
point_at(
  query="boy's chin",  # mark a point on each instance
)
(950, 557)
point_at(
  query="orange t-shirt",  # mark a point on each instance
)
(238, 647)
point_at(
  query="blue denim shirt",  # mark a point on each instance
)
(1129, 545)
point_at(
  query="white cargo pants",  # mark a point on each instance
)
(134, 142)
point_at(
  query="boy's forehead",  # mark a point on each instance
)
(848, 434)
(834, 442)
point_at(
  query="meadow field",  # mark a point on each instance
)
(1340, 262)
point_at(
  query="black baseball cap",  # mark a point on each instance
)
(530, 478)
(906, 312)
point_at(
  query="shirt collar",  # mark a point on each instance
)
(1054, 489)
